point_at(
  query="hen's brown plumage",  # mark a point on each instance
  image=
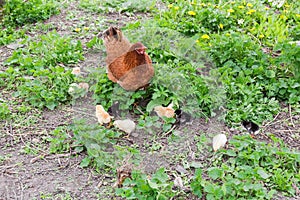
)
(128, 65)
(115, 43)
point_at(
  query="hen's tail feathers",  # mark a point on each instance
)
(116, 44)
(113, 32)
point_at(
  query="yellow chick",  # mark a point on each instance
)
(162, 111)
(102, 116)
(84, 86)
(76, 71)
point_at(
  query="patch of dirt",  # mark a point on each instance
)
(33, 176)
(24, 176)
(29, 176)
(60, 117)
(5, 53)
(285, 126)
(95, 60)
(22, 179)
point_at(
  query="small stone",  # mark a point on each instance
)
(178, 182)
(135, 134)
(181, 169)
(219, 141)
(14, 46)
(35, 140)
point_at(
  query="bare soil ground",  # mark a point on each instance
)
(42, 175)
(39, 175)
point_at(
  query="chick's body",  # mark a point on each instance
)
(102, 116)
(128, 65)
(164, 112)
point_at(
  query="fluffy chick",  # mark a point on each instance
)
(102, 116)
(162, 111)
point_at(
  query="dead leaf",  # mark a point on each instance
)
(14, 46)
(122, 173)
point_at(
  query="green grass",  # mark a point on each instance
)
(47, 83)
(18, 13)
(233, 60)
(248, 168)
(106, 6)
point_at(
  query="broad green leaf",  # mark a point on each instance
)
(263, 173)
(196, 164)
(215, 173)
(230, 152)
(85, 162)
(153, 185)
(209, 188)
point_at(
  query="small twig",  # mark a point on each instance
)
(272, 122)
(59, 162)
(28, 146)
(61, 155)
(84, 113)
(167, 133)
(28, 133)
(7, 167)
(291, 118)
(22, 190)
(33, 160)
(54, 127)
(75, 164)
(51, 169)
(191, 152)
(11, 129)
(49, 156)
(126, 138)
(8, 174)
(287, 131)
(23, 141)
(255, 38)
(139, 110)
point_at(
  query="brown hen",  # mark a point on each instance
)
(127, 64)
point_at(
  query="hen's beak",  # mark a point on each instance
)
(141, 51)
